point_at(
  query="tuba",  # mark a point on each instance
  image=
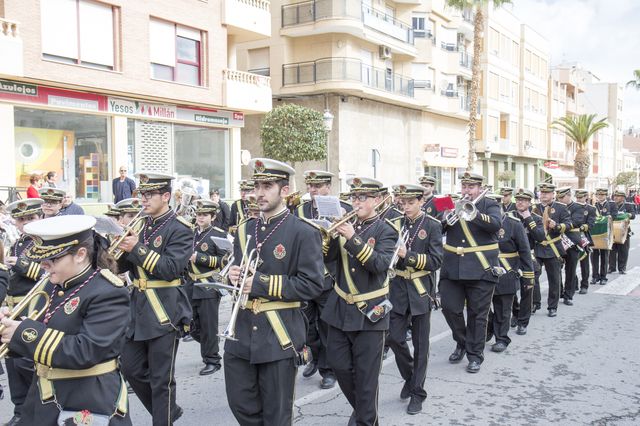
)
(187, 209)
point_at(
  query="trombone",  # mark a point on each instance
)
(25, 303)
(134, 228)
(402, 242)
(464, 209)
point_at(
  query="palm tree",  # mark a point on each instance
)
(636, 80)
(580, 128)
(478, 27)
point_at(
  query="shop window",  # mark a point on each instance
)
(75, 146)
(79, 32)
(175, 53)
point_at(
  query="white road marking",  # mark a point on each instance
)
(623, 284)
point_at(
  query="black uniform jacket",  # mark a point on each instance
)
(238, 212)
(390, 213)
(208, 258)
(552, 246)
(515, 254)
(424, 253)
(163, 252)
(222, 217)
(606, 208)
(591, 220)
(290, 270)
(86, 327)
(429, 207)
(511, 207)
(481, 231)
(362, 260)
(4, 280)
(534, 228)
(25, 273)
(579, 215)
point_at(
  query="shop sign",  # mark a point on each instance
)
(144, 109)
(19, 88)
(210, 119)
(449, 152)
(65, 102)
(551, 164)
(211, 116)
(432, 147)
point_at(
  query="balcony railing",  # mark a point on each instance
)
(449, 47)
(346, 69)
(423, 84)
(8, 28)
(261, 71)
(466, 60)
(315, 10)
(246, 77)
(449, 93)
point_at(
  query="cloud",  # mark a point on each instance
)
(601, 35)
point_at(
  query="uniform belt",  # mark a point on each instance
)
(508, 255)
(461, 251)
(551, 241)
(575, 230)
(408, 275)
(62, 374)
(361, 297)
(12, 301)
(143, 284)
(202, 275)
(263, 305)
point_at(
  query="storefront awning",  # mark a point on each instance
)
(559, 174)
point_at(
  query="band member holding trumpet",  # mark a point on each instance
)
(413, 291)
(156, 257)
(24, 274)
(319, 183)
(620, 252)
(470, 269)
(205, 261)
(556, 221)
(265, 345)
(600, 257)
(589, 221)
(239, 207)
(357, 310)
(75, 344)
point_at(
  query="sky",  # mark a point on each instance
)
(601, 35)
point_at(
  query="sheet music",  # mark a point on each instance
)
(328, 206)
(222, 243)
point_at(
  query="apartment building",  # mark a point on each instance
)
(87, 86)
(393, 74)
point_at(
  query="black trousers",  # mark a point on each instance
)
(522, 309)
(502, 304)
(477, 297)
(413, 369)
(356, 360)
(260, 394)
(20, 375)
(149, 367)
(553, 268)
(317, 333)
(600, 264)
(205, 328)
(570, 266)
(619, 256)
(585, 270)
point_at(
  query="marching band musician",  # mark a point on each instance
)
(261, 365)
(76, 343)
(534, 229)
(590, 218)
(113, 213)
(515, 258)
(575, 234)
(556, 221)
(239, 207)
(206, 259)
(413, 292)
(507, 205)
(357, 309)
(428, 183)
(128, 209)
(470, 273)
(160, 309)
(600, 257)
(319, 183)
(24, 274)
(52, 201)
(620, 252)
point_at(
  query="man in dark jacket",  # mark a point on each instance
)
(123, 186)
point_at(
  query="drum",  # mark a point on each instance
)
(602, 233)
(621, 228)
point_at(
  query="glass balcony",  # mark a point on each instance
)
(466, 60)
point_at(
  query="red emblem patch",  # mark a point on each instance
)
(372, 242)
(422, 234)
(259, 166)
(71, 305)
(279, 252)
(158, 241)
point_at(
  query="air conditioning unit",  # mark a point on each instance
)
(459, 80)
(385, 52)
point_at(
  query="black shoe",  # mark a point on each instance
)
(177, 413)
(568, 302)
(514, 321)
(405, 393)
(583, 291)
(499, 347)
(473, 367)
(310, 369)
(611, 271)
(14, 421)
(457, 355)
(409, 335)
(602, 282)
(415, 405)
(328, 382)
(553, 312)
(522, 330)
(187, 338)
(352, 419)
(594, 281)
(209, 369)
(385, 353)
(535, 308)
(622, 272)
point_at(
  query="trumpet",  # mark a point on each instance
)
(134, 228)
(464, 209)
(293, 200)
(402, 242)
(382, 205)
(247, 266)
(219, 279)
(36, 292)
(330, 232)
